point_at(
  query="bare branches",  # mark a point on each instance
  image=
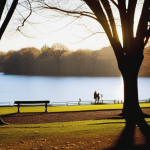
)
(90, 36)
(101, 17)
(102, 12)
(82, 13)
(65, 25)
(26, 17)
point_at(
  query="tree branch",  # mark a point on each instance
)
(111, 18)
(101, 18)
(83, 13)
(8, 17)
(26, 17)
(143, 23)
(96, 7)
(2, 5)
(124, 24)
(147, 37)
(66, 25)
(93, 33)
(130, 16)
(114, 3)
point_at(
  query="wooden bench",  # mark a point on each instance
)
(32, 102)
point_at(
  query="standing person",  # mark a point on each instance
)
(95, 96)
(98, 97)
(102, 96)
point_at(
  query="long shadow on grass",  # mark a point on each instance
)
(126, 140)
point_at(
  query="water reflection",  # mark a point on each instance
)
(58, 89)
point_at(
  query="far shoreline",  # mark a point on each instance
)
(70, 75)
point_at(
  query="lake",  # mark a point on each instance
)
(63, 89)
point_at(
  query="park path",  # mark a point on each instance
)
(35, 118)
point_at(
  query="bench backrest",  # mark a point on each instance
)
(31, 102)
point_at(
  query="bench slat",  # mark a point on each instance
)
(31, 102)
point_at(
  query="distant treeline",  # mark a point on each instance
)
(59, 61)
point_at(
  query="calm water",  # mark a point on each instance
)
(63, 89)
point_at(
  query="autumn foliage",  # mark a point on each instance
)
(64, 62)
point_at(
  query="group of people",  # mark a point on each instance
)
(97, 97)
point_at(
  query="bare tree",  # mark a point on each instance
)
(27, 58)
(95, 56)
(59, 46)
(58, 50)
(129, 52)
(2, 55)
(80, 58)
(11, 62)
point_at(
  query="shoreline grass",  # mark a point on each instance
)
(29, 109)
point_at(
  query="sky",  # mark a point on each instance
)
(51, 31)
(71, 41)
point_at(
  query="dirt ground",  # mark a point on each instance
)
(34, 118)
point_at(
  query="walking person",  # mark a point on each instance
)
(95, 96)
(98, 96)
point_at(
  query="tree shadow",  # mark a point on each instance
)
(24, 114)
(2, 122)
(126, 140)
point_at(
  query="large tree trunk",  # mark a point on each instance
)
(129, 67)
(131, 108)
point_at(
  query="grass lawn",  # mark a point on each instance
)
(75, 135)
(90, 134)
(13, 109)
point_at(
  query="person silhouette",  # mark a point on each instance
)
(98, 97)
(95, 96)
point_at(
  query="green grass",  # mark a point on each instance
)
(23, 109)
(87, 134)
(60, 129)
(63, 131)
(51, 135)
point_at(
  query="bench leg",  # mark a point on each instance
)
(18, 108)
(45, 107)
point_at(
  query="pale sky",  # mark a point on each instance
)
(71, 41)
(72, 36)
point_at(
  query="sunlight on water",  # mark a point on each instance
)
(119, 90)
(63, 89)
